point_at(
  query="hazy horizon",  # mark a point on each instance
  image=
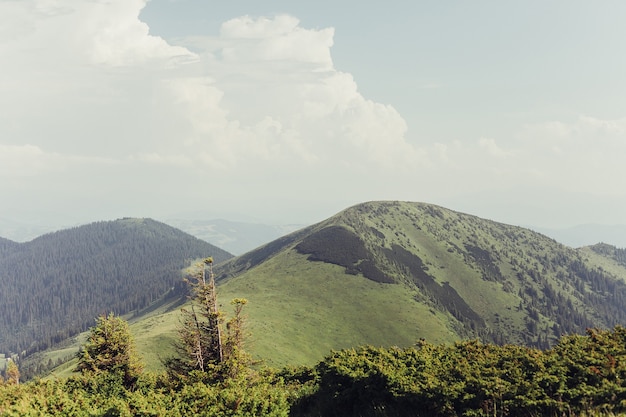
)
(246, 236)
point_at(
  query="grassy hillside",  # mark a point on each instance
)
(300, 310)
(391, 273)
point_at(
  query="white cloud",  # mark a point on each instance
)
(614, 130)
(248, 39)
(274, 98)
(78, 77)
(582, 157)
(585, 155)
(115, 36)
(113, 105)
(57, 34)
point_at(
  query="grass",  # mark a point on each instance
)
(298, 311)
(296, 316)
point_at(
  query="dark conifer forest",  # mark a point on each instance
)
(52, 287)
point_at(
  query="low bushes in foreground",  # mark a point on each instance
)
(152, 395)
(582, 375)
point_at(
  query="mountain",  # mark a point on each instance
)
(390, 273)
(7, 246)
(235, 237)
(54, 286)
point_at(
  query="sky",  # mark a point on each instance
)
(291, 111)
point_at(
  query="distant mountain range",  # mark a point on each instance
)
(235, 237)
(238, 237)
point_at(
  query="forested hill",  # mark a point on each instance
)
(54, 286)
(6, 245)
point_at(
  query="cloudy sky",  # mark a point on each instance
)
(290, 111)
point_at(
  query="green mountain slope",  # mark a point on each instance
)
(54, 286)
(389, 273)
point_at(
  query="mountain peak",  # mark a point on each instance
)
(473, 277)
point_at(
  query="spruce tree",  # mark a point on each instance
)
(110, 349)
(202, 345)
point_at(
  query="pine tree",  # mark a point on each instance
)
(202, 345)
(110, 349)
(236, 359)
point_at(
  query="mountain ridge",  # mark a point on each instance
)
(239, 237)
(388, 273)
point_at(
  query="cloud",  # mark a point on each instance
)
(271, 96)
(115, 36)
(90, 96)
(277, 39)
(584, 155)
(267, 92)
(62, 33)
(78, 77)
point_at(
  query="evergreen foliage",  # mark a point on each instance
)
(203, 348)
(153, 395)
(582, 375)
(110, 350)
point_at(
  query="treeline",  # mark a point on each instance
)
(580, 375)
(52, 287)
